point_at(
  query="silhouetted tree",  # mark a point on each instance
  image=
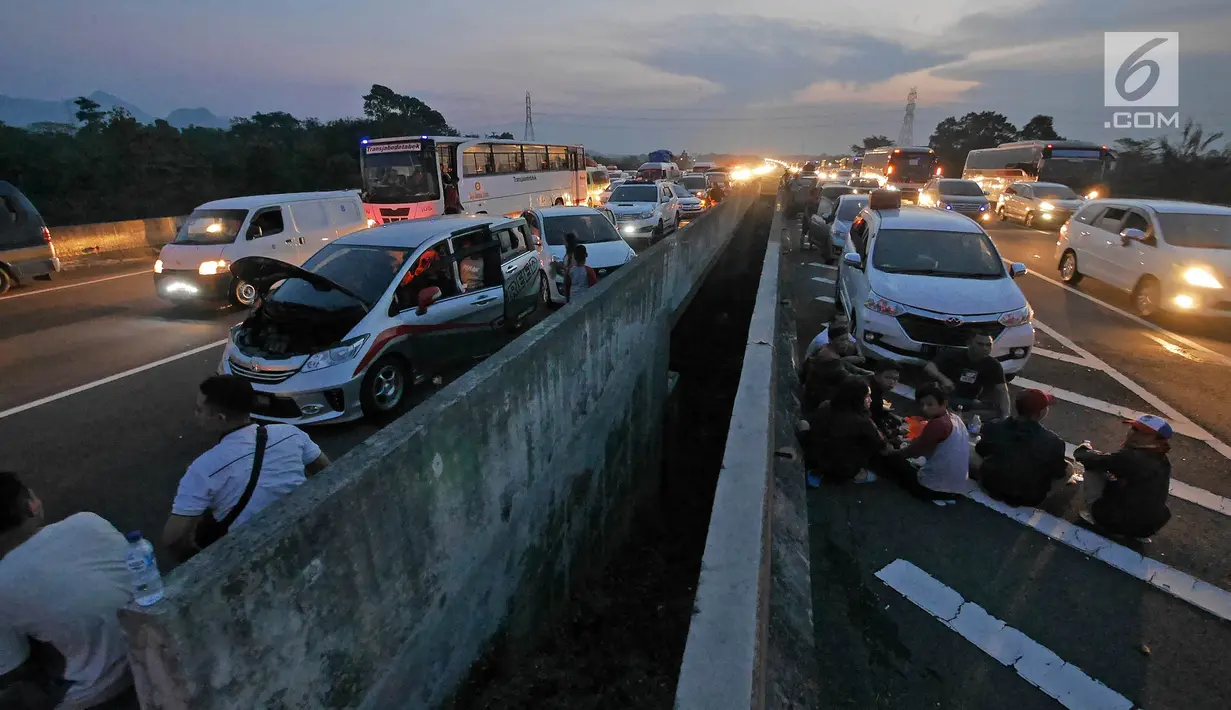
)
(870, 143)
(89, 111)
(1039, 128)
(501, 136)
(954, 137)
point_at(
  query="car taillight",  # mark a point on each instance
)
(46, 235)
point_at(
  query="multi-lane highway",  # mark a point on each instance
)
(98, 391)
(979, 606)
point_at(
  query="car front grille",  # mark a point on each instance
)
(964, 207)
(262, 376)
(922, 329)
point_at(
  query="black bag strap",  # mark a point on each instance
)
(262, 438)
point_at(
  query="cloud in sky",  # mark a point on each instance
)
(774, 75)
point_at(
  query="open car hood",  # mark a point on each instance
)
(263, 272)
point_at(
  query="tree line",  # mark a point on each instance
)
(1188, 168)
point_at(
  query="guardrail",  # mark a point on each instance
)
(85, 244)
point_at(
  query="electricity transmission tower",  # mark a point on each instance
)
(528, 134)
(907, 135)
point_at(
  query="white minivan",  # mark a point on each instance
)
(195, 266)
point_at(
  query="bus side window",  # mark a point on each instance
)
(558, 158)
(477, 159)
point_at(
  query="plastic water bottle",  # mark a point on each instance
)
(975, 425)
(146, 581)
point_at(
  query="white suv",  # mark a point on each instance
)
(916, 281)
(1171, 256)
(645, 210)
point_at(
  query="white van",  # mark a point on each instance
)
(195, 266)
(659, 171)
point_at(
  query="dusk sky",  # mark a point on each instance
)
(770, 76)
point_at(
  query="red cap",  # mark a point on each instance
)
(1031, 402)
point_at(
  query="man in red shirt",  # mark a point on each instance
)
(945, 444)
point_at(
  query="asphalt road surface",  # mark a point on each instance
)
(977, 607)
(98, 384)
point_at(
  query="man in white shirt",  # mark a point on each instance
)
(215, 482)
(60, 585)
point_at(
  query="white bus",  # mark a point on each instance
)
(904, 169)
(1081, 165)
(404, 178)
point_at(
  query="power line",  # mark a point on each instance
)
(906, 136)
(528, 134)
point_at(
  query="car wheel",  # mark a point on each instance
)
(384, 387)
(243, 294)
(1147, 297)
(6, 280)
(1029, 221)
(1004, 216)
(1068, 268)
(659, 230)
(544, 289)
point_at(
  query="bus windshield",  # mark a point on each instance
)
(912, 167)
(694, 182)
(399, 178)
(1076, 173)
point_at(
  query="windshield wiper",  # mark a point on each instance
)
(938, 272)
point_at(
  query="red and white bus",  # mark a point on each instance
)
(905, 169)
(403, 178)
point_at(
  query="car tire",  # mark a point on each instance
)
(544, 290)
(6, 280)
(241, 294)
(383, 391)
(1004, 216)
(1147, 297)
(659, 231)
(1028, 222)
(1068, 268)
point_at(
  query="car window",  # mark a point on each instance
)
(434, 267)
(849, 208)
(1137, 220)
(1111, 219)
(1196, 231)
(836, 191)
(477, 255)
(589, 228)
(950, 254)
(1088, 214)
(513, 242)
(680, 190)
(634, 193)
(961, 188)
(267, 223)
(859, 236)
(366, 271)
(211, 227)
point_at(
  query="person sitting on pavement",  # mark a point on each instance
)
(1018, 460)
(216, 482)
(1127, 491)
(843, 443)
(944, 444)
(973, 378)
(882, 382)
(60, 587)
(841, 322)
(832, 363)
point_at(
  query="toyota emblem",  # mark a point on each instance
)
(953, 321)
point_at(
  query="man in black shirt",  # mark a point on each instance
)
(1021, 462)
(974, 379)
(882, 383)
(1128, 490)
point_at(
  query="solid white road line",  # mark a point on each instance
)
(824, 299)
(76, 285)
(1185, 427)
(1037, 665)
(1219, 357)
(822, 279)
(1062, 357)
(106, 380)
(819, 265)
(1170, 412)
(1181, 585)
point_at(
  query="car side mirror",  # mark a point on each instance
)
(853, 260)
(1017, 269)
(427, 297)
(1132, 235)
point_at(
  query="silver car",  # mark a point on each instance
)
(1039, 204)
(839, 221)
(691, 206)
(348, 333)
(962, 196)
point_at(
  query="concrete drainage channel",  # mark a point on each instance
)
(621, 641)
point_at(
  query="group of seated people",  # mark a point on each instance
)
(851, 434)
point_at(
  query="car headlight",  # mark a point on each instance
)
(1021, 316)
(891, 188)
(1201, 277)
(1092, 195)
(209, 268)
(158, 266)
(983, 207)
(345, 352)
(1046, 206)
(883, 305)
(646, 215)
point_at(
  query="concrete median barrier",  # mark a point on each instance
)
(750, 642)
(460, 527)
(86, 244)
